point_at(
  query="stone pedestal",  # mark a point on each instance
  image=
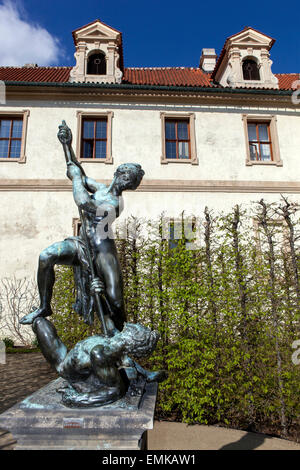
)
(41, 422)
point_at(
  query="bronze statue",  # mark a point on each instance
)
(74, 251)
(98, 279)
(92, 367)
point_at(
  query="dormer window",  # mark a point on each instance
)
(96, 64)
(245, 61)
(250, 70)
(99, 56)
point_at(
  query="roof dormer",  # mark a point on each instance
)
(98, 54)
(245, 61)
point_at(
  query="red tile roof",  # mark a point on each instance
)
(164, 76)
(168, 76)
(288, 81)
(35, 74)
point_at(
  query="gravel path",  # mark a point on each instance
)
(21, 376)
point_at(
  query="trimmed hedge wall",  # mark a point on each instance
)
(227, 313)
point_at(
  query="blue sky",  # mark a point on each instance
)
(156, 33)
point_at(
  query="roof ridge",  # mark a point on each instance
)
(163, 68)
(36, 67)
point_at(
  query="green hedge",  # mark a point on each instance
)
(227, 313)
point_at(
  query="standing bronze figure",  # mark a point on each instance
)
(99, 289)
(74, 252)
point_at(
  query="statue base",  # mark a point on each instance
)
(42, 422)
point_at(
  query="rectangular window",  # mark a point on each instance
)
(184, 229)
(94, 137)
(260, 144)
(11, 130)
(178, 138)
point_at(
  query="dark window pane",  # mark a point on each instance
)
(173, 244)
(263, 132)
(101, 129)
(100, 149)
(4, 148)
(175, 234)
(88, 149)
(254, 152)
(250, 70)
(171, 149)
(96, 64)
(252, 132)
(5, 127)
(88, 129)
(171, 231)
(170, 130)
(265, 152)
(15, 149)
(17, 128)
(183, 150)
(182, 131)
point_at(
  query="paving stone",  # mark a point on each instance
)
(22, 375)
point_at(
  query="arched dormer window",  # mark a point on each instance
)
(96, 64)
(250, 70)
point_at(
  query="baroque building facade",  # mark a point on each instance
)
(223, 133)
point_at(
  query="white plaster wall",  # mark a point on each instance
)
(136, 137)
(30, 221)
(34, 220)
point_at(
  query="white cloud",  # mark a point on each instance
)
(22, 42)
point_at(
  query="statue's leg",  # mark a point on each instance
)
(51, 345)
(59, 253)
(104, 367)
(110, 270)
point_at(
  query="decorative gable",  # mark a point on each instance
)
(245, 61)
(98, 54)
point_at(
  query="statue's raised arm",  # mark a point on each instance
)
(75, 172)
(65, 137)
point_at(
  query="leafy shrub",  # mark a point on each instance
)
(9, 343)
(70, 327)
(227, 313)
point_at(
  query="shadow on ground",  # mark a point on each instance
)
(249, 441)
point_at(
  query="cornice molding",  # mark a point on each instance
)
(65, 91)
(219, 186)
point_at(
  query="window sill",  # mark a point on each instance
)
(164, 161)
(251, 163)
(14, 160)
(96, 160)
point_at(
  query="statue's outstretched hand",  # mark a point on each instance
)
(64, 134)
